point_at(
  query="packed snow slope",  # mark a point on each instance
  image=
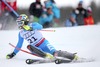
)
(85, 40)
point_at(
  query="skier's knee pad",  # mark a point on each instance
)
(64, 54)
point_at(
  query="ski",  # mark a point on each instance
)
(80, 60)
(58, 61)
(39, 61)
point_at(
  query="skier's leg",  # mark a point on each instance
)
(48, 49)
(39, 52)
(35, 50)
(65, 54)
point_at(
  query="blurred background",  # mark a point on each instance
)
(66, 7)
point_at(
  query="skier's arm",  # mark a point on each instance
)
(19, 45)
(37, 26)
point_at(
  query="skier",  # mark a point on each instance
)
(29, 32)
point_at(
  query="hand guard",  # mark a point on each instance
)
(9, 56)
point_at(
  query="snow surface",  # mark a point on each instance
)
(85, 40)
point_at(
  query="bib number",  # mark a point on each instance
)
(32, 39)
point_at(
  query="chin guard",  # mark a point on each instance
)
(28, 28)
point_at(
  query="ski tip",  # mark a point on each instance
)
(29, 61)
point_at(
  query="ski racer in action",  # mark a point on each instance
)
(29, 32)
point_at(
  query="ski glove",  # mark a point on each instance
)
(9, 56)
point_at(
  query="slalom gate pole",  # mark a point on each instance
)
(22, 50)
(17, 15)
(48, 30)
